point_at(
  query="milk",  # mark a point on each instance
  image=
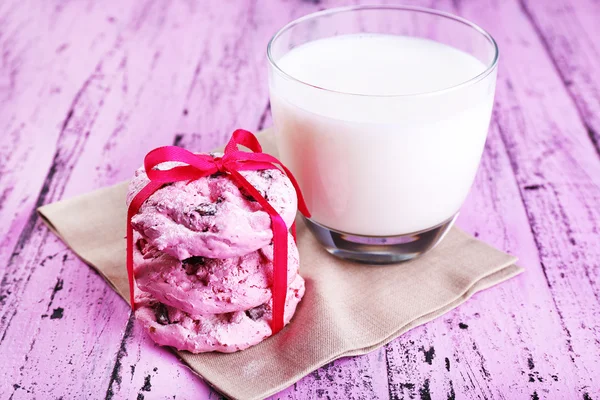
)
(400, 153)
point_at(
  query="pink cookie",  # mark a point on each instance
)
(225, 333)
(211, 217)
(199, 285)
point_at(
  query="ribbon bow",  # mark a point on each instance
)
(200, 165)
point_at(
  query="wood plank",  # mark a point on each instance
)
(554, 165)
(145, 370)
(37, 96)
(362, 377)
(569, 31)
(493, 346)
(555, 168)
(37, 110)
(97, 105)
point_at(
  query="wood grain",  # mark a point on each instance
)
(538, 347)
(569, 33)
(556, 169)
(87, 88)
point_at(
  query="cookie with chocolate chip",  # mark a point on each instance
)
(226, 332)
(199, 285)
(211, 217)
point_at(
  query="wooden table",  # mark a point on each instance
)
(87, 88)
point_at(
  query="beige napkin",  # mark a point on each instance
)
(348, 308)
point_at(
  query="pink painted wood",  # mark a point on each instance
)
(81, 83)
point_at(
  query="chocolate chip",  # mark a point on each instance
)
(195, 260)
(217, 174)
(192, 264)
(266, 174)
(161, 313)
(251, 198)
(256, 312)
(247, 195)
(205, 209)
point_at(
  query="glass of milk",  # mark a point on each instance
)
(381, 113)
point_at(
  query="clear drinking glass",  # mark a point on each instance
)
(381, 113)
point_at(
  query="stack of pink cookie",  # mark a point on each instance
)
(203, 261)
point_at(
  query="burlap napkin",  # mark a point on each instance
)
(348, 309)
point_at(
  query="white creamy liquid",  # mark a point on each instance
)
(381, 164)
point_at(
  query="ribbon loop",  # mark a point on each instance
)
(193, 166)
(246, 139)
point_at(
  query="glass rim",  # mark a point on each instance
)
(336, 10)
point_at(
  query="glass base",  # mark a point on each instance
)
(379, 249)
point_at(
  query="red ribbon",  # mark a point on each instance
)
(234, 160)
